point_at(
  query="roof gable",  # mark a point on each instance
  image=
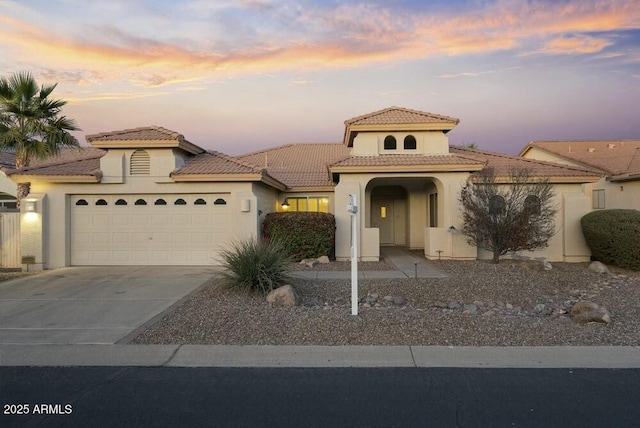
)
(397, 119)
(147, 137)
(398, 116)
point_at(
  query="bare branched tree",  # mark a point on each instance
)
(513, 215)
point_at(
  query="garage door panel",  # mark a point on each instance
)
(148, 234)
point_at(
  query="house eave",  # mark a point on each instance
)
(148, 144)
(407, 168)
(19, 178)
(270, 181)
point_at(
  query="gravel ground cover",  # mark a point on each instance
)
(479, 304)
(342, 266)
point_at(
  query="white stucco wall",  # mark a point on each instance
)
(427, 142)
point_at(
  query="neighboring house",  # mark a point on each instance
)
(8, 188)
(617, 160)
(148, 196)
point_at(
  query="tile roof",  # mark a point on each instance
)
(7, 160)
(213, 162)
(502, 165)
(69, 161)
(142, 133)
(613, 157)
(416, 160)
(299, 165)
(399, 115)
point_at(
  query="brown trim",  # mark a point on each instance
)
(148, 144)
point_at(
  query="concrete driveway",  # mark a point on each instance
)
(97, 305)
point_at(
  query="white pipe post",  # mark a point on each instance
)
(353, 210)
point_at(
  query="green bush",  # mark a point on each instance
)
(614, 237)
(303, 234)
(255, 266)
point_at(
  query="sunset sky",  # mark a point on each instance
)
(239, 76)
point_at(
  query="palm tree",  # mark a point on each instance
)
(30, 125)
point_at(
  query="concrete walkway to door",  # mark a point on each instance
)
(407, 265)
(91, 305)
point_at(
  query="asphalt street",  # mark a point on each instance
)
(318, 397)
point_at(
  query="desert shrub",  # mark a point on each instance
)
(614, 237)
(251, 265)
(303, 234)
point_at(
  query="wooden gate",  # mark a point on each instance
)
(10, 241)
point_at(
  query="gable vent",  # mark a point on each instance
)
(140, 163)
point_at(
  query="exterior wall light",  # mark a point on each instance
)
(30, 206)
(285, 203)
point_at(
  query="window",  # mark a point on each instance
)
(433, 210)
(219, 201)
(140, 202)
(101, 202)
(497, 205)
(200, 201)
(160, 202)
(598, 199)
(532, 205)
(308, 204)
(410, 142)
(390, 142)
(140, 163)
(121, 202)
(82, 202)
(180, 202)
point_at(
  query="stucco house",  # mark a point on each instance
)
(149, 196)
(617, 160)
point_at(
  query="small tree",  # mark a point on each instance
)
(515, 215)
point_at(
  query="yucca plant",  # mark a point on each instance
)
(252, 265)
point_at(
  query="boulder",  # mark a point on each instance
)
(585, 311)
(311, 263)
(598, 267)
(399, 300)
(323, 260)
(283, 296)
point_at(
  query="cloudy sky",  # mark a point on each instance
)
(238, 76)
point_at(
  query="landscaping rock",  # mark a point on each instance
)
(472, 309)
(323, 260)
(586, 311)
(539, 308)
(440, 305)
(399, 300)
(546, 265)
(388, 298)
(598, 267)
(283, 296)
(311, 263)
(453, 305)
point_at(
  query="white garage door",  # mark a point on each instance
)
(148, 229)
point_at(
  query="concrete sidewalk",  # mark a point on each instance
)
(407, 265)
(613, 357)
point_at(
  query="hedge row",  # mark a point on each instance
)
(614, 237)
(302, 234)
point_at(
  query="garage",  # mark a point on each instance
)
(152, 229)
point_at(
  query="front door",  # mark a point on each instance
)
(382, 218)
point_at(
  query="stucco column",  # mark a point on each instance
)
(32, 220)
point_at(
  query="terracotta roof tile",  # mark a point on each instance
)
(213, 162)
(143, 133)
(7, 160)
(502, 164)
(299, 165)
(610, 156)
(69, 161)
(399, 115)
(407, 160)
